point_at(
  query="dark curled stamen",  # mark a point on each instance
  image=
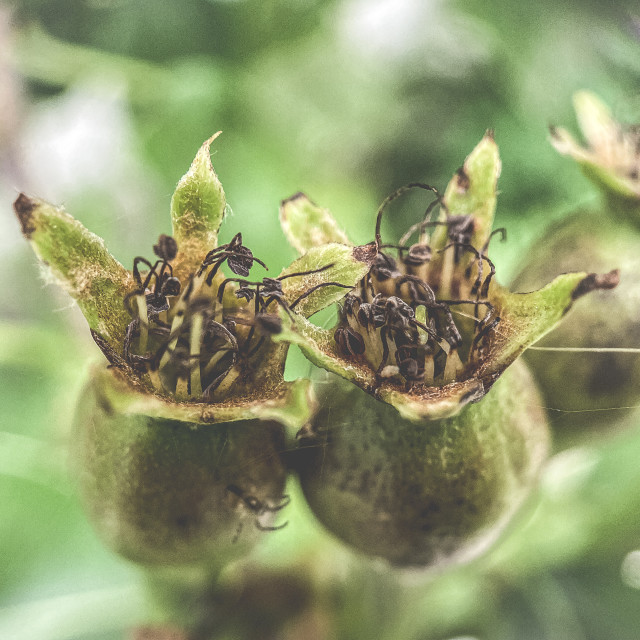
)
(390, 198)
(421, 227)
(165, 284)
(481, 334)
(166, 249)
(239, 258)
(350, 342)
(431, 304)
(268, 323)
(409, 368)
(418, 255)
(243, 283)
(270, 289)
(349, 302)
(170, 287)
(207, 394)
(384, 267)
(503, 236)
(136, 272)
(306, 273)
(246, 292)
(385, 351)
(428, 330)
(460, 232)
(370, 316)
(480, 257)
(139, 363)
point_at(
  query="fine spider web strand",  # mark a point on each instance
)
(558, 349)
(630, 350)
(546, 408)
(315, 288)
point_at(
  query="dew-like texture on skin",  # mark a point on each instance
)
(422, 495)
(158, 490)
(583, 381)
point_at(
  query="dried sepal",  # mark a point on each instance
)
(611, 157)
(307, 225)
(79, 262)
(473, 189)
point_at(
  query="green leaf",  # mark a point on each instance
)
(348, 265)
(197, 209)
(80, 263)
(307, 225)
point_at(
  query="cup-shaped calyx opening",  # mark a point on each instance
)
(192, 325)
(428, 329)
(610, 156)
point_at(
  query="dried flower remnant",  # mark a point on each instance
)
(428, 460)
(196, 345)
(599, 371)
(196, 341)
(397, 318)
(428, 329)
(178, 441)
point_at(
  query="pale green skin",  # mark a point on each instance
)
(156, 489)
(582, 385)
(423, 495)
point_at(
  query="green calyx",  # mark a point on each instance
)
(428, 329)
(189, 334)
(610, 158)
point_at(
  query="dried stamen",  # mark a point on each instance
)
(189, 345)
(399, 318)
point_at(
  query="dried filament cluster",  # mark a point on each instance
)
(400, 318)
(194, 341)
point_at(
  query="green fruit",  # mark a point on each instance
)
(168, 492)
(429, 494)
(583, 385)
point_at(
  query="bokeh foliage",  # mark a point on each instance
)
(105, 104)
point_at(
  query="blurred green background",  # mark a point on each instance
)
(103, 105)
